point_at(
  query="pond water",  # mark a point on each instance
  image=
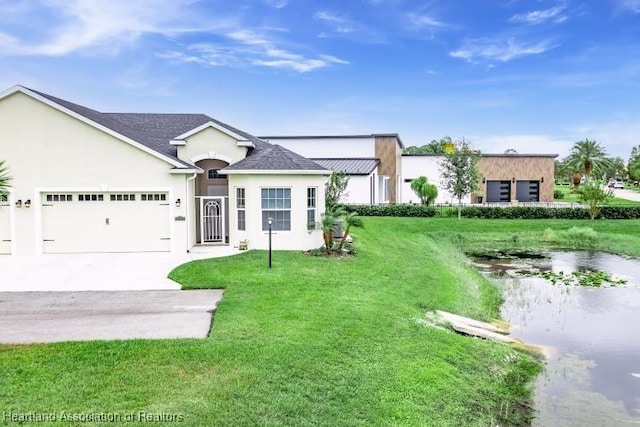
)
(592, 374)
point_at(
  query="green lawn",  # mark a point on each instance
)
(318, 341)
(571, 196)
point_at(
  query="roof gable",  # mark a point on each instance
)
(275, 158)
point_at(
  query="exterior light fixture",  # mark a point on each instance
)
(27, 204)
(542, 179)
(178, 203)
(270, 222)
(19, 204)
(513, 180)
(484, 180)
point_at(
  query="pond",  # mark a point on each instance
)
(592, 337)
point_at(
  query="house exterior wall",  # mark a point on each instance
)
(520, 167)
(329, 147)
(48, 150)
(390, 154)
(211, 143)
(299, 237)
(359, 189)
(415, 166)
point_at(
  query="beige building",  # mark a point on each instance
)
(88, 181)
(516, 177)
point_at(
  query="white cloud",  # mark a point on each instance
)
(536, 17)
(74, 25)
(425, 21)
(490, 49)
(629, 5)
(523, 144)
(278, 4)
(244, 48)
(338, 23)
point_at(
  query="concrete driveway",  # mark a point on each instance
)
(38, 317)
(627, 194)
(95, 272)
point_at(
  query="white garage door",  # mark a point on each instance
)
(5, 226)
(105, 222)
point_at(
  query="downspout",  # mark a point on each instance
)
(188, 214)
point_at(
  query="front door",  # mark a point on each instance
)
(212, 221)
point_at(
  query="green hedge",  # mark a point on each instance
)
(524, 212)
(514, 212)
(392, 210)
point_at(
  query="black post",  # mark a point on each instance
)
(270, 221)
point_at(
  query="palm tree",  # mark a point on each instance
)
(587, 156)
(427, 193)
(351, 220)
(330, 224)
(5, 179)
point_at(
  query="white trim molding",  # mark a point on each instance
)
(241, 140)
(325, 172)
(212, 155)
(90, 122)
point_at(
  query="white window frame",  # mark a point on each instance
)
(278, 223)
(241, 206)
(312, 206)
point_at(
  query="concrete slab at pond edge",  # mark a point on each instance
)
(497, 331)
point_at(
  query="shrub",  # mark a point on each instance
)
(580, 236)
(511, 212)
(557, 194)
(392, 210)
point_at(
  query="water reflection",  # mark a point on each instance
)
(595, 334)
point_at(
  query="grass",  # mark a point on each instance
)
(572, 197)
(317, 341)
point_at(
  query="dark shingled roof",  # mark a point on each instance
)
(154, 131)
(350, 166)
(272, 158)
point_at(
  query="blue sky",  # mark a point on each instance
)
(532, 75)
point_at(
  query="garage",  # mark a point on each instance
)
(498, 191)
(105, 222)
(5, 225)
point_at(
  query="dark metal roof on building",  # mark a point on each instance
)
(349, 166)
(274, 158)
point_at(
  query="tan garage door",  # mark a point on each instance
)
(105, 222)
(5, 225)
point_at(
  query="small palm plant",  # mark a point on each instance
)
(350, 220)
(330, 224)
(5, 179)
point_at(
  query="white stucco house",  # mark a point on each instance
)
(372, 162)
(88, 181)
(415, 166)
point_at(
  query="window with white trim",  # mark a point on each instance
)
(123, 198)
(215, 174)
(386, 189)
(240, 205)
(311, 207)
(90, 197)
(59, 198)
(276, 204)
(153, 197)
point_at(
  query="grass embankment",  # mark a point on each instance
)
(570, 196)
(315, 341)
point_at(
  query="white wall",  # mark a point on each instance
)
(298, 238)
(358, 190)
(48, 150)
(429, 166)
(329, 147)
(211, 143)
